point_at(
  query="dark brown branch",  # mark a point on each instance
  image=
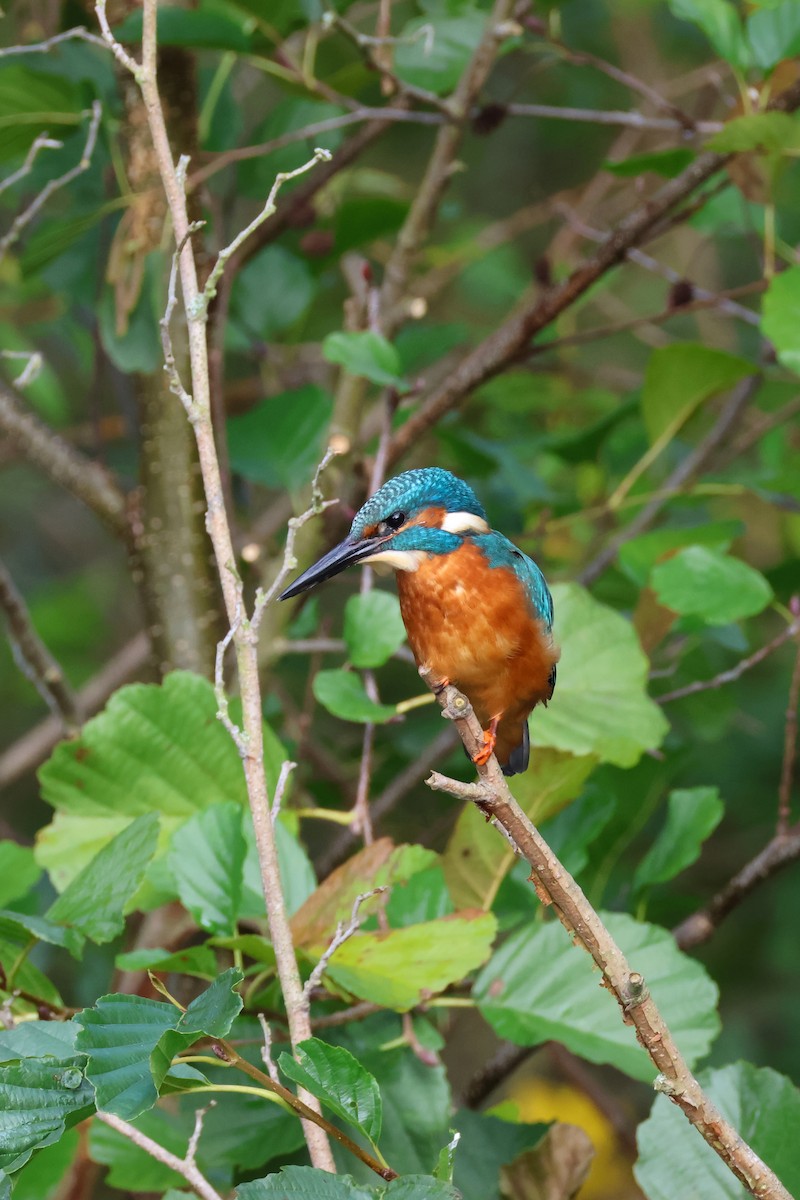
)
(61, 462)
(513, 337)
(782, 850)
(556, 887)
(35, 660)
(33, 748)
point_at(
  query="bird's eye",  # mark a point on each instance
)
(395, 520)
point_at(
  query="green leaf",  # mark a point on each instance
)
(304, 1183)
(270, 293)
(702, 582)
(692, 815)
(297, 873)
(38, 1039)
(373, 628)
(721, 24)
(679, 378)
(600, 705)
(200, 28)
(420, 1187)
(279, 442)
(781, 316)
(343, 694)
(39, 1099)
(206, 858)
(435, 60)
(194, 960)
(764, 133)
(539, 986)
(339, 1081)
(367, 354)
(131, 1041)
(32, 103)
(154, 748)
(764, 1109)
(666, 163)
(41, 1178)
(774, 34)
(22, 927)
(476, 860)
(397, 969)
(94, 902)
(638, 556)
(18, 871)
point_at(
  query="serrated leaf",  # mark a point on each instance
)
(692, 815)
(539, 986)
(206, 858)
(679, 378)
(303, 1183)
(338, 1080)
(131, 1041)
(38, 1039)
(373, 628)
(343, 694)
(638, 556)
(18, 871)
(43, 1177)
(94, 902)
(21, 927)
(781, 316)
(702, 582)
(188, 27)
(399, 968)
(39, 1098)
(366, 354)
(154, 748)
(476, 859)
(764, 1109)
(600, 705)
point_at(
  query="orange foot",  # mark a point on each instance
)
(489, 743)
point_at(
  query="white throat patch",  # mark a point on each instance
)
(464, 522)
(400, 560)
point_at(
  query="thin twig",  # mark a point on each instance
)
(280, 788)
(32, 369)
(33, 657)
(556, 887)
(33, 747)
(789, 744)
(266, 1049)
(185, 1167)
(62, 463)
(344, 931)
(733, 673)
(605, 116)
(42, 142)
(78, 33)
(779, 852)
(245, 637)
(23, 219)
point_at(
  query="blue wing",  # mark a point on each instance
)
(500, 552)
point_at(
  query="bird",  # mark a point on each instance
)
(477, 611)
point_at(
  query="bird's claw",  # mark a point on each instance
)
(487, 750)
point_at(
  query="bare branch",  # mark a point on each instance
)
(266, 1049)
(186, 1167)
(122, 56)
(601, 116)
(65, 465)
(344, 931)
(34, 659)
(280, 788)
(42, 142)
(24, 218)
(733, 673)
(32, 369)
(556, 887)
(79, 33)
(31, 749)
(789, 742)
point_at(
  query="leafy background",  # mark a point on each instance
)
(135, 835)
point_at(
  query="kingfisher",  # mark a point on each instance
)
(477, 611)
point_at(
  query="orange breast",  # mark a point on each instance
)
(473, 624)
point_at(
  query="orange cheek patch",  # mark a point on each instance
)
(430, 518)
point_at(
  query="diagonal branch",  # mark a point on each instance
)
(555, 886)
(35, 660)
(61, 462)
(503, 346)
(186, 1167)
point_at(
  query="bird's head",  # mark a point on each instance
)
(418, 513)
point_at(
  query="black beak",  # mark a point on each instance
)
(344, 555)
